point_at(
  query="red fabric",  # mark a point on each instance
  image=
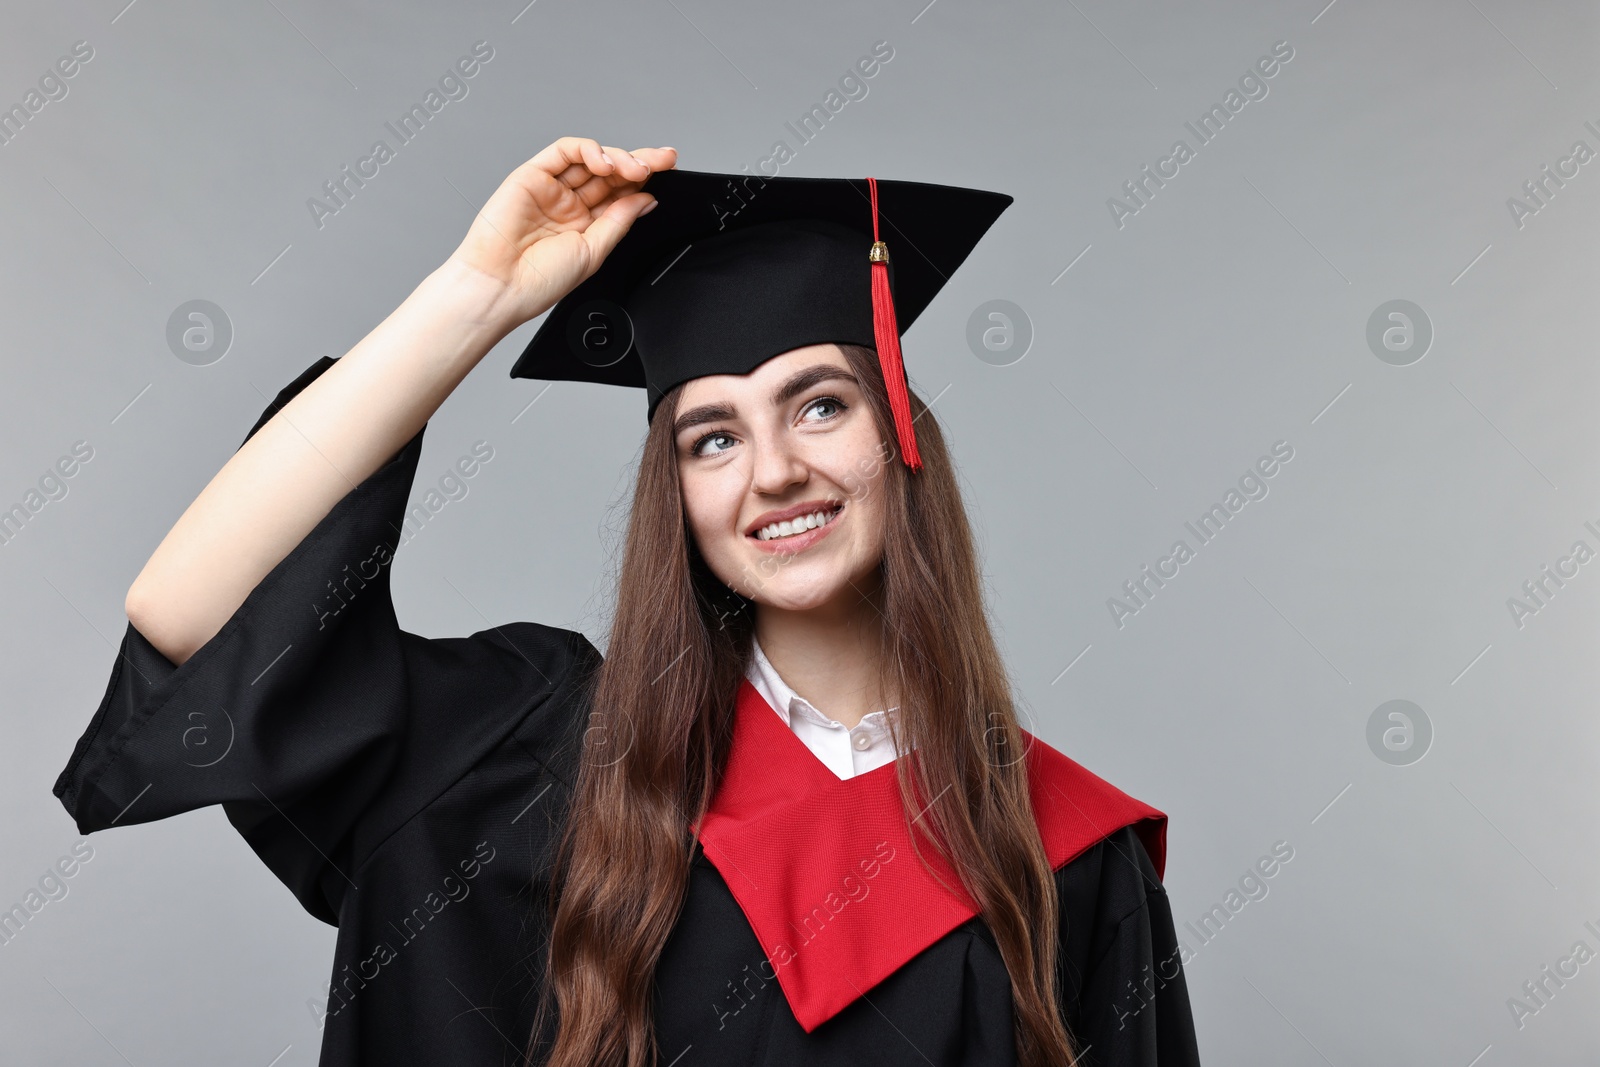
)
(887, 333)
(824, 868)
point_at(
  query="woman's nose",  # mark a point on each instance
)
(776, 463)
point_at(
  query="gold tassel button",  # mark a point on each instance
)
(879, 253)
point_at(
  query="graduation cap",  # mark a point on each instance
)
(730, 270)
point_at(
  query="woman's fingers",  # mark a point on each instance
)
(626, 165)
(615, 163)
(603, 179)
(657, 158)
(627, 172)
(630, 171)
(597, 188)
(608, 228)
(577, 162)
(564, 154)
(601, 193)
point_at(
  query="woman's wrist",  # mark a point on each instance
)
(485, 306)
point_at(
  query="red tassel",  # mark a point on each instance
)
(887, 333)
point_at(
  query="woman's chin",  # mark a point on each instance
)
(796, 602)
(795, 591)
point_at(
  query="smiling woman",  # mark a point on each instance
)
(698, 856)
(799, 425)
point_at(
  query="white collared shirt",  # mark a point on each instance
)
(844, 750)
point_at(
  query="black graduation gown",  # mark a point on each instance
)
(411, 791)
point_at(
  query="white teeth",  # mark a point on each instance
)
(795, 526)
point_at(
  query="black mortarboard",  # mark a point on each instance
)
(730, 270)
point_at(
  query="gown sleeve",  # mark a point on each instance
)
(1125, 994)
(314, 720)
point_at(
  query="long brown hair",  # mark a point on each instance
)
(661, 719)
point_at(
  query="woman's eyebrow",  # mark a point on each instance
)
(702, 414)
(793, 386)
(801, 380)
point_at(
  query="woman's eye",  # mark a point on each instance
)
(701, 446)
(829, 406)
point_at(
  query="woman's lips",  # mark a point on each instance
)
(788, 546)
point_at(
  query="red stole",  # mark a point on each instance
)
(824, 869)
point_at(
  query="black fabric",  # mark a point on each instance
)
(411, 791)
(746, 295)
(730, 270)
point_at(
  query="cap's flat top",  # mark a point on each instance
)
(588, 336)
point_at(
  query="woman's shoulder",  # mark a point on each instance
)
(1076, 809)
(525, 677)
(543, 651)
(506, 702)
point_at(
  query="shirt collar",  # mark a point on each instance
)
(788, 703)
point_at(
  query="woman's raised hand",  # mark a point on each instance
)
(556, 217)
(547, 228)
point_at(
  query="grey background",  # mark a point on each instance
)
(1229, 314)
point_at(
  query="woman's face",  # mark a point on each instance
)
(791, 442)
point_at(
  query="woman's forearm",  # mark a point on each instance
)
(341, 428)
(546, 228)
